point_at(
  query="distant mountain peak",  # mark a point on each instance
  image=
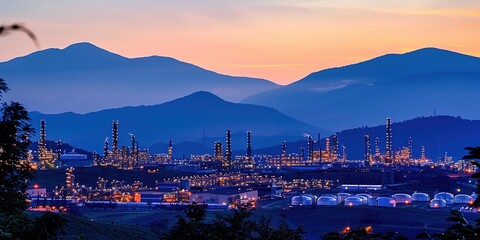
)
(201, 96)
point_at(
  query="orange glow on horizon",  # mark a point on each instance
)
(282, 41)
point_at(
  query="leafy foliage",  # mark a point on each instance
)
(239, 225)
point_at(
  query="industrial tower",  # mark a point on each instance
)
(248, 157)
(388, 141)
(335, 147)
(115, 137)
(218, 150)
(228, 150)
(310, 149)
(368, 152)
(410, 148)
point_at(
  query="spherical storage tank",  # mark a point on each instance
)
(438, 203)
(463, 198)
(448, 197)
(402, 198)
(326, 201)
(386, 202)
(314, 198)
(354, 201)
(420, 197)
(301, 201)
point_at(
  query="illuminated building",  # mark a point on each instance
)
(388, 142)
(46, 157)
(368, 152)
(377, 146)
(344, 154)
(218, 151)
(70, 179)
(228, 151)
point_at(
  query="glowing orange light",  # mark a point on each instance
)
(369, 228)
(407, 202)
(36, 185)
(350, 204)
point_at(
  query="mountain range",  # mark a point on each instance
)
(402, 86)
(85, 78)
(198, 116)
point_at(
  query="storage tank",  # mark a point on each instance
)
(402, 198)
(353, 201)
(339, 200)
(365, 195)
(438, 203)
(343, 196)
(420, 197)
(474, 196)
(463, 198)
(301, 200)
(326, 201)
(386, 202)
(448, 197)
(372, 201)
(314, 197)
(364, 199)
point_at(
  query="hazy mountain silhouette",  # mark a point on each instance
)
(183, 119)
(438, 134)
(85, 78)
(402, 86)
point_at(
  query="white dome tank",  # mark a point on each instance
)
(353, 201)
(474, 196)
(463, 198)
(364, 194)
(448, 197)
(386, 202)
(402, 198)
(438, 203)
(420, 197)
(339, 200)
(301, 200)
(364, 199)
(314, 197)
(343, 196)
(326, 201)
(372, 202)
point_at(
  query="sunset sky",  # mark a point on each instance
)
(282, 40)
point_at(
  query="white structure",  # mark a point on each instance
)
(463, 198)
(386, 202)
(326, 201)
(343, 196)
(448, 197)
(372, 202)
(314, 197)
(402, 198)
(420, 197)
(354, 201)
(474, 196)
(301, 200)
(438, 203)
